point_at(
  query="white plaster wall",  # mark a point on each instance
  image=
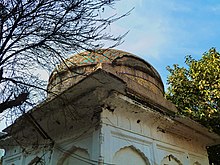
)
(23, 158)
(76, 150)
(80, 151)
(122, 129)
(127, 130)
(13, 155)
(129, 156)
(103, 145)
(13, 160)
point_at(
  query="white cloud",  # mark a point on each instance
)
(149, 30)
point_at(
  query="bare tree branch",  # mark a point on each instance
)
(39, 34)
(18, 100)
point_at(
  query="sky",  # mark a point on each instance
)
(163, 32)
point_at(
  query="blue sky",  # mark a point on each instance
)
(163, 32)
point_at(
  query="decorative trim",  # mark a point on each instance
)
(67, 153)
(172, 157)
(136, 150)
(196, 163)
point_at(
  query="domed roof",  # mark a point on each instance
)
(78, 66)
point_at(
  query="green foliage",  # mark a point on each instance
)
(195, 90)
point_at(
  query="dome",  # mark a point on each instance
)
(122, 64)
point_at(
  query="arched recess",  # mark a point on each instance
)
(129, 155)
(170, 160)
(76, 156)
(196, 163)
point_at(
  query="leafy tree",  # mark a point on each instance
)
(37, 34)
(195, 90)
